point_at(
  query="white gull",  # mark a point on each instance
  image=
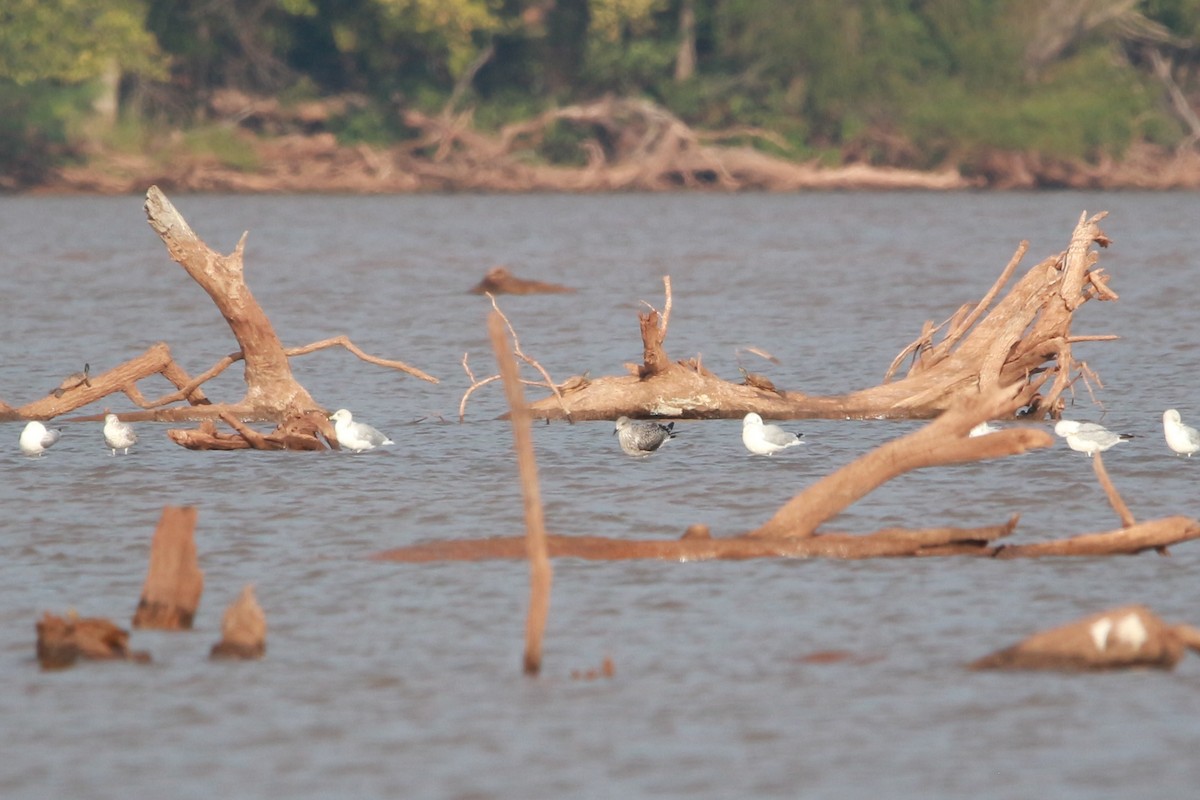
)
(1183, 439)
(765, 440)
(356, 436)
(37, 437)
(1088, 437)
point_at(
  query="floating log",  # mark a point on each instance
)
(61, 641)
(499, 280)
(243, 629)
(1120, 638)
(174, 581)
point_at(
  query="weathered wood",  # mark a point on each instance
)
(892, 542)
(1157, 534)
(541, 574)
(174, 581)
(941, 442)
(499, 280)
(1024, 338)
(243, 629)
(157, 360)
(270, 385)
(1120, 638)
(61, 641)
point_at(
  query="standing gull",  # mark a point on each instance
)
(356, 436)
(118, 435)
(36, 438)
(642, 437)
(1088, 437)
(1183, 439)
(765, 440)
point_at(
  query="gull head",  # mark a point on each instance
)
(751, 419)
(1065, 427)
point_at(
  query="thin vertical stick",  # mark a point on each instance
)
(540, 573)
(1110, 491)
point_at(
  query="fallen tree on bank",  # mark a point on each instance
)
(1023, 337)
(272, 391)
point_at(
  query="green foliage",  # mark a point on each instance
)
(1057, 116)
(74, 41)
(34, 122)
(921, 80)
(224, 144)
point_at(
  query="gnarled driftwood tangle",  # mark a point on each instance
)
(272, 392)
(1021, 338)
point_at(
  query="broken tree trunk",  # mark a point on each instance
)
(271, 390)
(174, 581)
(243, 629)
(1024, 337)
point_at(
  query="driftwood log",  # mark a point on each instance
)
(1120, 638)
(626, 144)
(1023, 337)
(793, 530)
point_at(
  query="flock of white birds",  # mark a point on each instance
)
(643, 437)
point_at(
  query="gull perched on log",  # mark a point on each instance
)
(765, 440)
(356, 436)
(1183, 439)
(118, 435)
(37, 437)
(642, 437)
(1088, 437)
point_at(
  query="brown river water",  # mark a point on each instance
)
(394, 680)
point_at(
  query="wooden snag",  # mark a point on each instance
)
(540, 572)
(174, 581)
(243, 629)
(499, 280)
(61, 641)
(1120, 638)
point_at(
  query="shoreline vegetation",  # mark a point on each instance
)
(405, 96)
(256, 145)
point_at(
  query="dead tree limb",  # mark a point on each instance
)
(540, 573)
(943, 441)
(547, 381)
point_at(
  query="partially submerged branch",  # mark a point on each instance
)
(1023, 338)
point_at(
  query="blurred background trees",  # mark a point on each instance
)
(918, 83)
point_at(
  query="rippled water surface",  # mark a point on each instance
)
(394, 680)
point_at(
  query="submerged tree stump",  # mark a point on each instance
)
(243, 629)
(174, 581)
